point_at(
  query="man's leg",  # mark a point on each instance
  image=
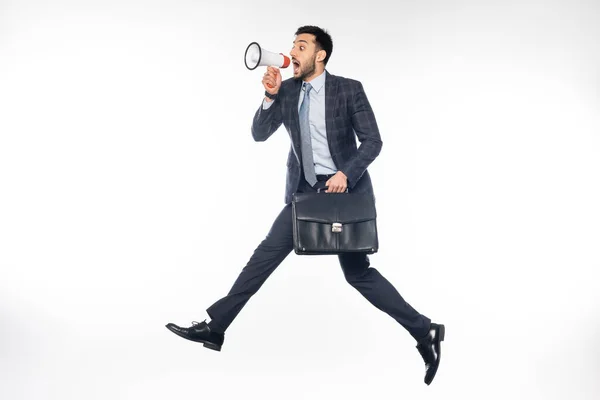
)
(267, 256)
(382, 294)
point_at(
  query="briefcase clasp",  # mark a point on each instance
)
(336, 227)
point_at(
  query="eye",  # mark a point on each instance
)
(301, 47)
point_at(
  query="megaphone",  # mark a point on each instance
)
(256, 56)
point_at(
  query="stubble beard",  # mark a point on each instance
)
(312, 67)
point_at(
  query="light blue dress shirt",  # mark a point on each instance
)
(324, 164)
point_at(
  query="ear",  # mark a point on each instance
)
(321, 54)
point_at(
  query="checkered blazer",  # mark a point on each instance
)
(348, 115)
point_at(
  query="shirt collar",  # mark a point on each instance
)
(318, 82)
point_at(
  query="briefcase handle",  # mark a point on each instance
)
(327, 187)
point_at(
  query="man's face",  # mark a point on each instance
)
(304, 54)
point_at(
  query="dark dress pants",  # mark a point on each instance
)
(356, 268)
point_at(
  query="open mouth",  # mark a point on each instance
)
(296, 65)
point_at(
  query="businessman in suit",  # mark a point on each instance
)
(323, 114)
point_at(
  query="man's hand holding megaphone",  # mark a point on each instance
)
(272, 81)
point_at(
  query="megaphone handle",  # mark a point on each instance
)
(327, 187)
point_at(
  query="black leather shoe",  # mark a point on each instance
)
(199, 332)
(430, 349)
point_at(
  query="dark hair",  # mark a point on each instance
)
(322, 39)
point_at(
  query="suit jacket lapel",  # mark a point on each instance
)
(295, 118)
(331, 90)
(330, 96)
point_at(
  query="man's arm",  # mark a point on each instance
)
(266, 120)
(268, 117)
(365, 126)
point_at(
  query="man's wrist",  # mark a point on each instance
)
(270, 96)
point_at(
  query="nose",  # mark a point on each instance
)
(293, 53)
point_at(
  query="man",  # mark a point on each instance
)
(322, 113)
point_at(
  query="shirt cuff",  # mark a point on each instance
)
(266, 104)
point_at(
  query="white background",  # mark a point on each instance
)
(132, 194)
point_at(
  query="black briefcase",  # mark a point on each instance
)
(334, 223)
